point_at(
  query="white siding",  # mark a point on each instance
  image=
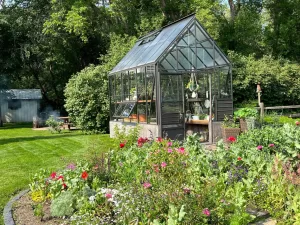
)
(26, 113)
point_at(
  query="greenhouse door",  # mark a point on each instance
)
(172, 106)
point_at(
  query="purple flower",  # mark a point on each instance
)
(71, 166)
(259, 147)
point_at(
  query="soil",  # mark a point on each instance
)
(23, 214)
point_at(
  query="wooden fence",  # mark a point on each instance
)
(263, 109)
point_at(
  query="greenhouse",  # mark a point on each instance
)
(174, 82)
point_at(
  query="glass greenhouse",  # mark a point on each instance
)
(175, 81)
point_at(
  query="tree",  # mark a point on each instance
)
(87, 91)
(279, 79)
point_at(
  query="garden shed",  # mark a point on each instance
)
(20, 105)
(175, 81)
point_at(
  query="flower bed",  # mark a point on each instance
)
(159, 181)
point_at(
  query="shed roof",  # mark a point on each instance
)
(25, 93)
(158, 46)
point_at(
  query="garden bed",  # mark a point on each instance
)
(164, 182)
(23, 213)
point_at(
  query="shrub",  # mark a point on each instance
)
(87, 99)
(62, 205)
(54, 125)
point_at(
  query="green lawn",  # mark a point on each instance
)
(24, 151)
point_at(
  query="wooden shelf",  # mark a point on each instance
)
(131, 101)
(196, 99)
(201, 122)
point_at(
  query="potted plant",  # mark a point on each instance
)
(133, 93)
(230, 128)
(142, 112)
(247, 118)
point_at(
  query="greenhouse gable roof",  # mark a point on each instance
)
(149, 52)
(155, 45)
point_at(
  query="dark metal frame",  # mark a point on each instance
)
(175, 51)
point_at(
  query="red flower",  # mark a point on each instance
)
(122, 145)
(231, 139)
(141, 141)
(84, 175)
(53, 175)
(60, 177)
(159, 139)
(64, 186)
(181, 150)
(239, 158)
(297, 123)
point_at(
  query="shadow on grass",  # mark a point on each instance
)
(16, 126)
(34, 138)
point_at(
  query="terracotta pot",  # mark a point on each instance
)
(133, 116)
(142, 118)
(230, 132)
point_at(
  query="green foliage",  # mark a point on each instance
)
(62, 205)
(38, 211)
(87, 101)
(278, 78)
(87, 91)
(230, 122)
(244, 113)
(54, 125)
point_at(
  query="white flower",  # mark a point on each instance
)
(92, 198)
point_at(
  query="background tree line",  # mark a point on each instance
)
(44, 42)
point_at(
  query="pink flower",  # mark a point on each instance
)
(108, 195)
(206, 212)
(170, 150)
(181, 150)
(159, 139)
(170, 144)
(155, 167)
(147, 172)
(297, 123)
(259, 147)
(53, 175)
(163, 164)
(231, 139)
(147, 185)
(271, 145)
(186, 190)
(239, 158)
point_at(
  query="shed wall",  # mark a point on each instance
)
(28, 110)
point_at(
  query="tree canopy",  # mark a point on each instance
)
(44, 42)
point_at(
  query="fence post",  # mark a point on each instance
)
(262, 110)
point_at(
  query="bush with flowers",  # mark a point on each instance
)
(159, 181)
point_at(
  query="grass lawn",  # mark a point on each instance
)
(24, 151)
